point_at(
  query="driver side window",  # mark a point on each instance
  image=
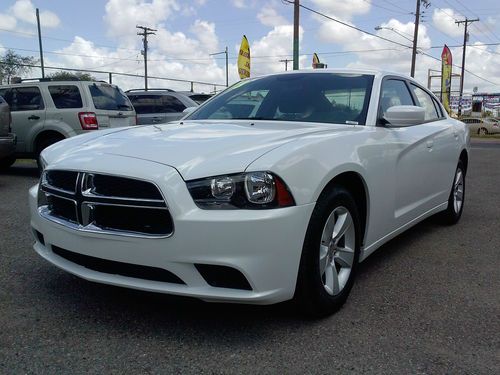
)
(394, 92)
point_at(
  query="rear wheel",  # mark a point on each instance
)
(482, 131)
(43, 143)
(330, 254)
(457, 197)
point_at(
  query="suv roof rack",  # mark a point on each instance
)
(48, 79)
(159, 89)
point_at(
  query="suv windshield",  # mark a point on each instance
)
(310, 97)
(109, 97)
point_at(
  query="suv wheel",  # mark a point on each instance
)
(43, 143)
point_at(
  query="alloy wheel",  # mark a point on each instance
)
(336, 252)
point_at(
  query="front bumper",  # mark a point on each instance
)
(264, 245)
(7, 145)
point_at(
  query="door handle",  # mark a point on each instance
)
(430, 144)
(33, 117)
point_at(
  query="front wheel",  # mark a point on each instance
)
(330, 254)
(482, 131)
(457, 197)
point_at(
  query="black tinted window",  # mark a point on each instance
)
(156, 104)
(24, 99)
(66, 96)
(394, 92)
(317, 97)
(109, 97)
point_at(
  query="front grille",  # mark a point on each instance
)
(104, 203)
(63, 180)
(118, 268)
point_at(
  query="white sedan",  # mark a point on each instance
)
(275, 189)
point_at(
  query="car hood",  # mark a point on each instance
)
(195, 148)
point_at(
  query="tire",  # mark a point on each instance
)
(315, 292)
(7, 162)
(456, 199)
(43, 144)
(482, 131)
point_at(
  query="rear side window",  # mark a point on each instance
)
(24, 99)
(66, 96)
(156, 104)
(425, 101)
(109, 97)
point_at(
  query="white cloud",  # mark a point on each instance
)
(123, 15)
(278, 42)
(239, 3)
(7, 21)
(343, 9)
(444, 20)
(268, 16)
(24, 10)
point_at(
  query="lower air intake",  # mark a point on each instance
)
(223, 276)
(118, 268)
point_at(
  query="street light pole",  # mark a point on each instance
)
(227, 63)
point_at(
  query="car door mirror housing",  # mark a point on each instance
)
(404, 115)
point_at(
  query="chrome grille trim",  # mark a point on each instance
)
(86, 202)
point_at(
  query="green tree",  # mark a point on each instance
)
(63, 75)
(12, 64)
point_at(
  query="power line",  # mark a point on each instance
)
(348, 25)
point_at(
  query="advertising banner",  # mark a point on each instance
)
(244, 59)
(446, 67)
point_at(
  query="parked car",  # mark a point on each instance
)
(280, 203)
(482, 126)
(45, 111)
(158, 106)
(197, 97)
(7, 139)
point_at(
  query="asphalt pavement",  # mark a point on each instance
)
(428, 302)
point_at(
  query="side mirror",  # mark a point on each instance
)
(404, 115)
(189, 110)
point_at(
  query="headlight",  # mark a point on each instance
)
(252, 190)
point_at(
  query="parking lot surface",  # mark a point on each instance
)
(427, 302)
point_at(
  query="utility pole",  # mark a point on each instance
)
(296, 9)
(415, 35)
(466, 36)
(145, 32)
(40, 41)
(286, 61)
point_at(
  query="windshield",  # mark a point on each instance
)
(322, 97)
(109, 97)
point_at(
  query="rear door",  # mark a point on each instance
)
(27, 108)
(111, 106)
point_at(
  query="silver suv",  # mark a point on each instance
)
(158, 106)
(45, 111)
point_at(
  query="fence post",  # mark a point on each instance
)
(110, 77)
(192, 86)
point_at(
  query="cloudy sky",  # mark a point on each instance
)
(101, 35)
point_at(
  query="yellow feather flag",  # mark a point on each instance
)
(244, 59)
